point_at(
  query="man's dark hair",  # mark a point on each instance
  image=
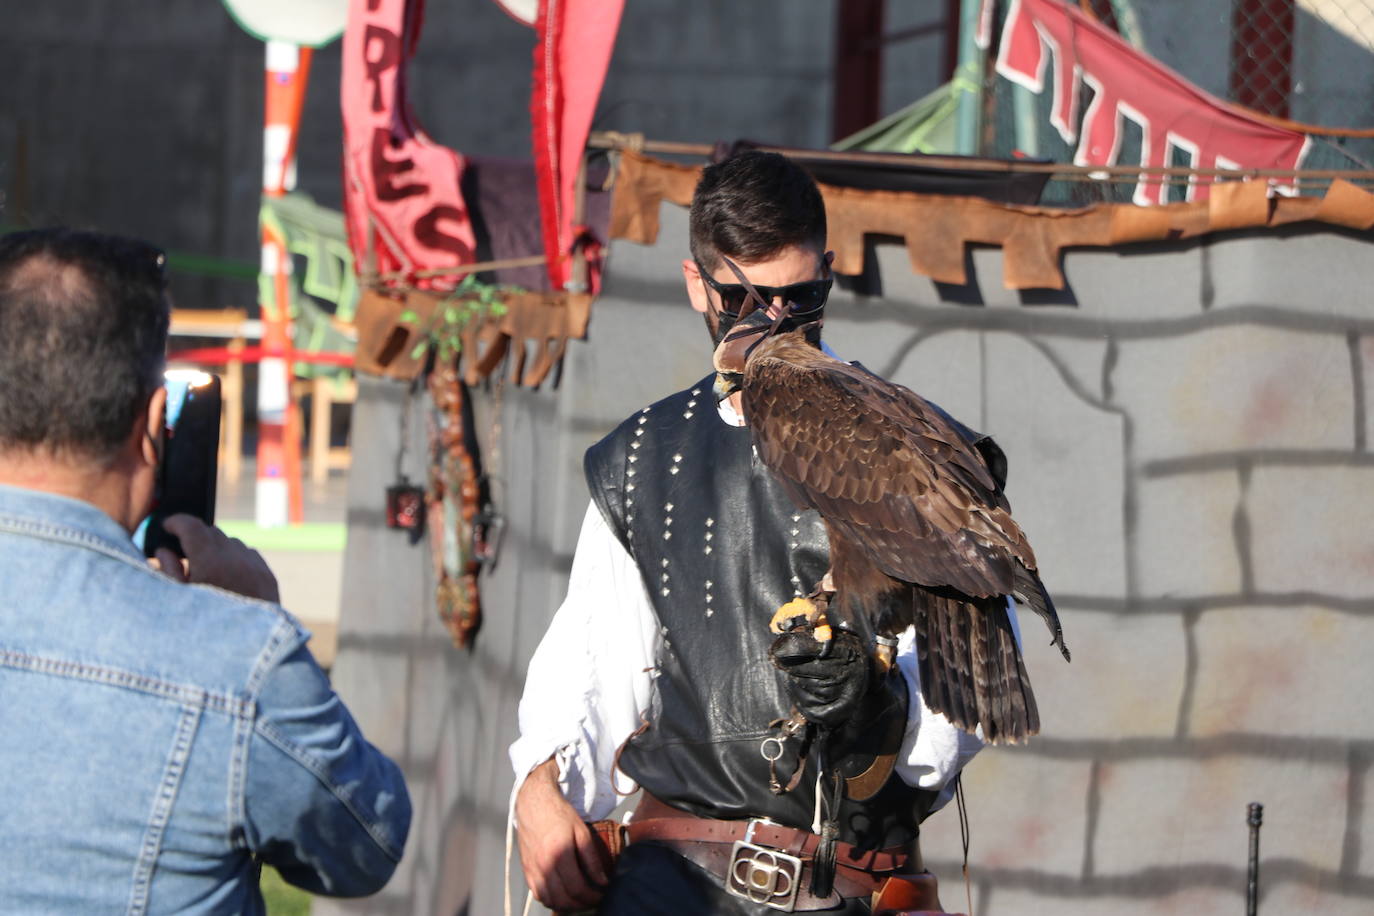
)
(752, 206)
(83, 336)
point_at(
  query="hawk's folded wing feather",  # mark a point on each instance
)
(886, 470)
(920, 531)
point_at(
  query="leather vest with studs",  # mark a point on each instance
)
(720, 547)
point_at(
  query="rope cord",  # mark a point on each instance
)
(962, 805)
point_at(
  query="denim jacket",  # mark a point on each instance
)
(159, 740)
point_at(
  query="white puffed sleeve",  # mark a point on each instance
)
(590, 679)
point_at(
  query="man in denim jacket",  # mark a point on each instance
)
(159, 740)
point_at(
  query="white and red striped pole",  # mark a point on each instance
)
(278, 492)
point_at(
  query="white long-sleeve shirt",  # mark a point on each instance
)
(591, 678)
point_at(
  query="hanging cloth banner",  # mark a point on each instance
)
(570, 61)
(402, 200)
(1172, 113)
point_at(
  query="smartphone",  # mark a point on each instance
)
(189, 465)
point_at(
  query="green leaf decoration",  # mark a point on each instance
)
(470, 300)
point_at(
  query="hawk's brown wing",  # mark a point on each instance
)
(920, 531)
(884, 468)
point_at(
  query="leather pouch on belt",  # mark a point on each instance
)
(908, 895)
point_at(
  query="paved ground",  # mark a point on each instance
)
(308, 559)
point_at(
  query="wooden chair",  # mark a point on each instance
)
(324, 392)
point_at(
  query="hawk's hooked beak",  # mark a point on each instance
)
(727, 383)
(733, 352)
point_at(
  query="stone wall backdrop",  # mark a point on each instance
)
(1187, 428)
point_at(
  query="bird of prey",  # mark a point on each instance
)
(920, 531)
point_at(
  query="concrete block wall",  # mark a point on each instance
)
(1189, 457)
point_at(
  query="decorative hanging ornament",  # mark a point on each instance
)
(522, 11)
(310, 23)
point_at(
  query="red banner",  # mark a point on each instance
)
(1173, 114)
(402, 200)
(570, 61)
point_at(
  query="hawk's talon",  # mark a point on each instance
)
(796, 613)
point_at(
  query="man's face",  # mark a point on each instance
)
(794, 264)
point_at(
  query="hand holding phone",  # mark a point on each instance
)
(214, 558)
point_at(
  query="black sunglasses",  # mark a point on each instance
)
(801, 298)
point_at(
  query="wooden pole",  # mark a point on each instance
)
(277, 495)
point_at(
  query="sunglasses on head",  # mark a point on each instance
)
(801, 298)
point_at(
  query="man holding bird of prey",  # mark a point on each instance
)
(783, 767)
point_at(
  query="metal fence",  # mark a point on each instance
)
(1276, 51)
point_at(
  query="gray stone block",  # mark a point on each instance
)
(1066, 467)
(899, 282)
(1065, 452)
(1311, 530)
(1081, 359)
(1025, 813)
(1236, 388)
(1135, 283)
(1291, 671)
(374, 686)
(1365, 357)
(1163, 812)
(1005, 899)
(946, 368)
(1125, 681)
(1325, 898)
(1259, 271)
(1148, 897)
(1361, 816)
(988, 274)
(1184, 541)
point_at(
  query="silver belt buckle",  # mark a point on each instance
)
(762, 875)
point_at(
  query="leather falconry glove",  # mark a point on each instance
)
(860, 710)
(839, 689)
(827, 687)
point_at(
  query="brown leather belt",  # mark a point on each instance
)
(710, 844)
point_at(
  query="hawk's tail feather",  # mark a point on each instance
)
(971, 670)
(1022, 714)
(983, 664)
(930, 642)
(1011, 714)
(1027, 589)
(946, 684)
(960, 665)
(1005, 709)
